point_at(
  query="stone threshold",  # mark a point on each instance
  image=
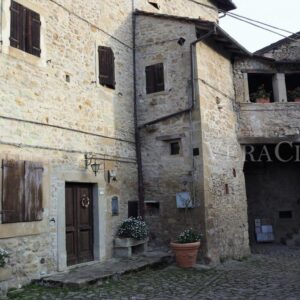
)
(94, 274)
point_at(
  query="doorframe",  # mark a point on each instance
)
(99, 217)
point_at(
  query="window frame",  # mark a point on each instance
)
(153, 88)
(171, 143)
(40, 62)
(27, 23)
(109, 83)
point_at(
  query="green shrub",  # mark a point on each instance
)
(189, 236)
(134, 228)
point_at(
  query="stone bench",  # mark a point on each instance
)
(127, 247)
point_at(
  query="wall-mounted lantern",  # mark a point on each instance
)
(94, 162)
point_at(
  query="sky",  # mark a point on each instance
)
(280, 13)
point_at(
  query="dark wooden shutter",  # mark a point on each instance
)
(33, 192)
(106, 67)
(155, 78)
(150, 80)
(159, 76)
(25, 29)
(16, 25)
(35, 33)
(12, 191)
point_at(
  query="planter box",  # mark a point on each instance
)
(5, 274)
(127, 247)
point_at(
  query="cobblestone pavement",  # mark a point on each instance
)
(271, 273)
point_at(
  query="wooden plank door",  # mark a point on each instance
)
(79, 223)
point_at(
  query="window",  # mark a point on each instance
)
(196, 152)
(106, 67)
(292, 86)
(155, 78)
(175, 148)
(22, 191)
(25, 29)
(260, 86)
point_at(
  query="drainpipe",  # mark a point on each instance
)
(141, 192)
(192, 62)
(1, 25)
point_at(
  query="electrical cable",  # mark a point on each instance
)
(262, 23)
(258, 26)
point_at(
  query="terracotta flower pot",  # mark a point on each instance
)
(186, 254)
(262, 100)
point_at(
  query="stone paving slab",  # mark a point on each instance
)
(95, 273)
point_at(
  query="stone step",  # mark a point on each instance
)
(98, 272)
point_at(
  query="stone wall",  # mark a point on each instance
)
(183, 8)
(164, 174)
(46, 118)
(288, 50)
(273, 121)
(211, 128)
(224, 185)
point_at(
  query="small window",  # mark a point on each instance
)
(261, 87)
(155, 78)
(106, 67)
(285, 214)
(25, 29)
(196, 152)
(175, 148)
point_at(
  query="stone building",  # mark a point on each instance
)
(272, 130)
(59, 103)
(188, 131)
(145, 95)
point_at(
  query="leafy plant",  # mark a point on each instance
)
(295, 93)
(189, 236)
(134, 228)
(3, 257)
(260, 93)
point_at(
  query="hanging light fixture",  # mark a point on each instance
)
(94, 162)
(95, 167)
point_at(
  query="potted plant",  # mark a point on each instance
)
(132, 236)
(186, 248)
(261, 95)
(294, 95)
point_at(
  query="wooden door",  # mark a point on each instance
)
(79, 223)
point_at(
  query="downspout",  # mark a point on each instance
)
(192, 62)
(141, 193)
(1, 25)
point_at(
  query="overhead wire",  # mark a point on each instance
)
(262, 23)
(264, 28)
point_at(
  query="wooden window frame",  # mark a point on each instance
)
(155, 78)
(25, 29)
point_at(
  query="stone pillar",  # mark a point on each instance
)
(279, 88)
(246, 88)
